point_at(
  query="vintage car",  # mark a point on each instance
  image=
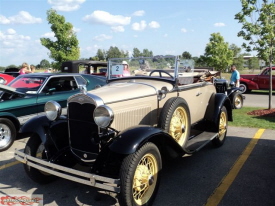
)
(5, 78)
(85, 66)
(260, 81)
(115, 138)
(12, 71)
(26, 96)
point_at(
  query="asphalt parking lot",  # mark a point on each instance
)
(241, 172)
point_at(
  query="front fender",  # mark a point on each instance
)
(250, 84)
(42, 126)
(129, 140)
(232, 90)
(216, 102)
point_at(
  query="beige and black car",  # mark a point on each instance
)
(151, 109)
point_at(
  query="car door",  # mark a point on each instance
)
(58, 89)
(263, 80)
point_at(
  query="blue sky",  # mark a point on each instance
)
(164, 27)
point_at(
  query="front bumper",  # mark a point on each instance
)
(68, 173)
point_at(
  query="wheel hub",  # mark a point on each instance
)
(143, 178)
(4, 135)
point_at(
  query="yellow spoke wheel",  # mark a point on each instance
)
(140, 176)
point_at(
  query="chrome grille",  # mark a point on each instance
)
(83, 132)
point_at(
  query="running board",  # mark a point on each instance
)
(198, 142)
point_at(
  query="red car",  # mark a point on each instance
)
(260, 81)
(5, 78)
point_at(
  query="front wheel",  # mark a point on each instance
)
(140, 176)
(222, 127)
(243, 88)
(7, 134)
(35, 148)
(237, 100)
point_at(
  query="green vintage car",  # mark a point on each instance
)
(25, 97)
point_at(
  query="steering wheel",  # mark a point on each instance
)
(161, 71)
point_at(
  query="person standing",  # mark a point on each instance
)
(235, 76)
(24, 69)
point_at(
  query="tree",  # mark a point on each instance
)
(186, 55)
(66, 47)
(114, 52)
(44, 64)
(258, 30)
(217, 53)
(147, 53)
(136, 53)
(101, 55)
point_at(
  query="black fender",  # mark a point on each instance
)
(42, 126)
(131, 139)
(216, 102)
(231, 92)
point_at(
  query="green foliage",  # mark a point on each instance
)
(101, 55)
(114, 52)
(65, 48)
(136, 53)
(147, 53)
(186, 55)
(217, 53)
(258, 30)
(44, 64)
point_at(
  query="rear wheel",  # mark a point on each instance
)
(175, 119)
(140, 176)
(7, 134)
(237, 100)
(35, 148)
(222, 125)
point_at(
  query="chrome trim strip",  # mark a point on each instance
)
(90, 179)
(85, 98)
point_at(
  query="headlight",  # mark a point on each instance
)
(103, 116)
(52, 110)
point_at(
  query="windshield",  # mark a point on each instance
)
(155, 67)
(27, 84)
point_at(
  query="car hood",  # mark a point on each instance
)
(9, 89)
(120, 91)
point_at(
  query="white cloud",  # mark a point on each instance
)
(139, 26)
(23, 17)
(11, 31)
(165, 35)
(105, 18)
(154, 25)
(4, 20)
(118, 29)
(48, 35)
(102, 37)
(219, 24)
(66, 5)
(138, 13)
(183, 30)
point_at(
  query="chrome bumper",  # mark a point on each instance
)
(68, 173)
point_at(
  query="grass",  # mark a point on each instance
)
(242, 119)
